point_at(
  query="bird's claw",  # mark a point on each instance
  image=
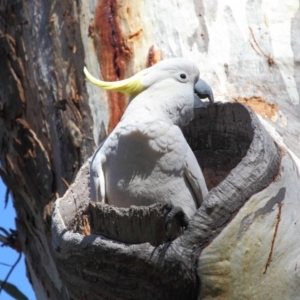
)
(175, 212)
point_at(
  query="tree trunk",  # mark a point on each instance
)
(166, 271)
(51, 121)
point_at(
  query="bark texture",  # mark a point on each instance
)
(51, 122)
(90, 265)
(45, 122)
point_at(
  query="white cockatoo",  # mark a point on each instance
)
(146, 158)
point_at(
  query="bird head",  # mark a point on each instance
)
(172, 70)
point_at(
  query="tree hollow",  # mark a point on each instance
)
(238, 158)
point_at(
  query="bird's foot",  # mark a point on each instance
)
(175, 213)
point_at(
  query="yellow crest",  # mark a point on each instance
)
(131, 86)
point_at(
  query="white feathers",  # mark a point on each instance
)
(146, 158)
(97, 184)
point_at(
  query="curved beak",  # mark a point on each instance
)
(202, 90)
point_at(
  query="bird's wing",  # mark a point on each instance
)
(97, 180)
(163, 137)
(168, 138)
(195, 177)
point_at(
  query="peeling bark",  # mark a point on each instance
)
(51, 122)
(113, 54)
(168, 270)
(45, 122)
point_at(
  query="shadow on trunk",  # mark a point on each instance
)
(238, 159)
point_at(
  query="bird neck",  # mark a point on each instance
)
(174, 105)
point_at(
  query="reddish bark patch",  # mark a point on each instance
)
(274, 237)
(260, 106)
(135, 34)
(154, 56)
(113, 54)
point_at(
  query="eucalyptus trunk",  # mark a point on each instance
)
(242, 242)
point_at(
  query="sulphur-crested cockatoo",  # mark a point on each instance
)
(146, 158)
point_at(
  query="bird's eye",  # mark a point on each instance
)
(182, 76)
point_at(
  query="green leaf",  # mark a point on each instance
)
(13, 291)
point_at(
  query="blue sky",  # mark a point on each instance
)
(9, 256)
